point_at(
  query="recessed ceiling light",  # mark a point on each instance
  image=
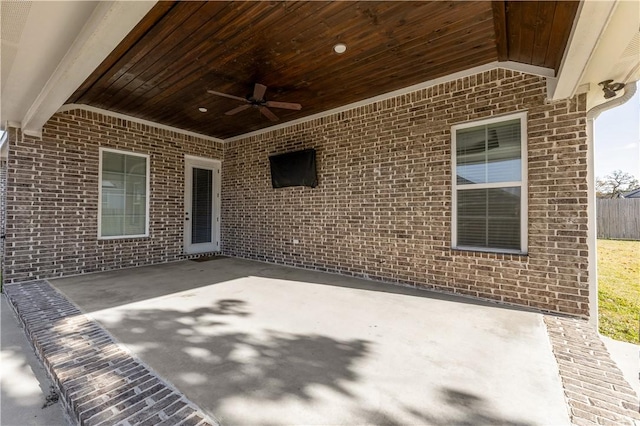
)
(202, 109)
(340, 48)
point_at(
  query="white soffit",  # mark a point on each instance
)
(617, 55)
(13, 17)
(50, 48)
(35, 37)
(592, 18)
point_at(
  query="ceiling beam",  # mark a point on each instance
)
(108, 25)
(500, 25)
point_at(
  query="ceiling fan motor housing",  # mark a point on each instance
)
(257, 100)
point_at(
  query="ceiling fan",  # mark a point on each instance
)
(257, 100)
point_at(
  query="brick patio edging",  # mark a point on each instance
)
(594, 387)
(99, 382)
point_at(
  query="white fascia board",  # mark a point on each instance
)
(592, 19)
(108, 25)
(508, 65)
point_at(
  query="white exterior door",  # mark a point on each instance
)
(202, 205)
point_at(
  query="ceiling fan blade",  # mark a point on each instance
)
(258, 91)
(237, 109)
(267, 113)
(284, 105)
(237, 98)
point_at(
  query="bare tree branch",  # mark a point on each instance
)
(616, 184)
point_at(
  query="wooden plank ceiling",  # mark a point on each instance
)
(162, 70)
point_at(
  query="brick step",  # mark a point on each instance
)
(594, 387)
(98, 381)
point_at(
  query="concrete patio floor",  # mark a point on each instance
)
(254, 343)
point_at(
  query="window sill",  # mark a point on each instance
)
(490, 251)
(124, 237)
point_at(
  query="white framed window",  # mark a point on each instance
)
(489, 208)
(123, 197)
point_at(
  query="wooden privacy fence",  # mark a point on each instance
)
(618, 218)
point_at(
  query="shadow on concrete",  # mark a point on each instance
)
(465, 410)
(469, 410)
(216, 365)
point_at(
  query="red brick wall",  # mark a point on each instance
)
(52, 196)
(382, 209)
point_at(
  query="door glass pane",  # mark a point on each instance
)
(202, 206)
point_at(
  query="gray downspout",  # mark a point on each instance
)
(592, 114)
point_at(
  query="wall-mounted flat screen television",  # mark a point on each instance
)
(296, 168)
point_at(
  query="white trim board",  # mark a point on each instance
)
(71, 107)
(215, 165)
(588, 27)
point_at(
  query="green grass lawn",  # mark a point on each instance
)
(619, 289)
